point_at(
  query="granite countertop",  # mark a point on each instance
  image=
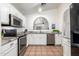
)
(32, 32)
(6, 40)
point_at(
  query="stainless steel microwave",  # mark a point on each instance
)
(15, 21)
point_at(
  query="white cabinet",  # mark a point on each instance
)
(38, 39)
(66, 33)
(4, 10)
(10, 49)
(66, 23)
(58, 38)
(66, 47)
(66, 50)
(12, 52)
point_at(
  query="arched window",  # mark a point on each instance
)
(40, 23)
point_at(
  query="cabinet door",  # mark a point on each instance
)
(58, 39)
(10, 49)
(66, 23)
(4, 15)
(66, 50)
(12, 52)
(66, 47)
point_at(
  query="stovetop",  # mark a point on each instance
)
(21, 34)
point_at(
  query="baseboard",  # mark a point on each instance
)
(50, 44)
(37, 45)
(44, 45)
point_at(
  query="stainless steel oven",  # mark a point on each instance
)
(22, 44)
(74, 25)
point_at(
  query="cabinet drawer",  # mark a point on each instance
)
(67, 42)
(66, 50)
(8, 46)
(11, 52)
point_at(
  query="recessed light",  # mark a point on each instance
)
(39, 9)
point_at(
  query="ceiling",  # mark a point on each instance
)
(30, 8)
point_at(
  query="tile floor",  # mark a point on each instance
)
(44, 51)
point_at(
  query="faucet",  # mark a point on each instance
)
(40, 30)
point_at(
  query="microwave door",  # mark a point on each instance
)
(15, 21)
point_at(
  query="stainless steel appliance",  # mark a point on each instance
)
(74, 19)
(15, 21)
(22, 42)
(21, 45)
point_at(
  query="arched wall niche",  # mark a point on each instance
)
(40, 23)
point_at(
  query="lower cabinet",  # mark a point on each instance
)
(12, 52)
(36, 39)
(66, 48)
(58, 38)
(9, 49)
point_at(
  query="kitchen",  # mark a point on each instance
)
(37, 26)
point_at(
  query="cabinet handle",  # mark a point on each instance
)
(11, 44)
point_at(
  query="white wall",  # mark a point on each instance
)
(50, 15)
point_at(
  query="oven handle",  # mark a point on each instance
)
(22, 36)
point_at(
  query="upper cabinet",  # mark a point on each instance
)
(4, 14)
(10, 16)
(66, 23)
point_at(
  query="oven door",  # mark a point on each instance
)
(21, 44)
